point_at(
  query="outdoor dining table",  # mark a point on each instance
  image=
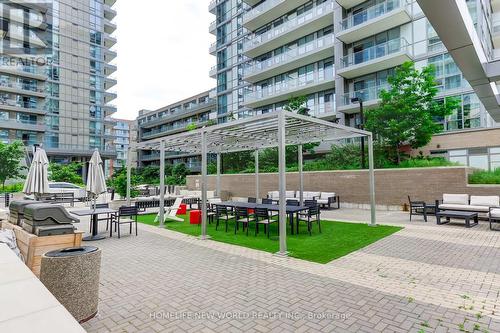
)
(94, 214)
(290, 210)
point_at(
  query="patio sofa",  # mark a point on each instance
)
(463, 202)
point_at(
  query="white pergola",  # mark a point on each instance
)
(276, 129)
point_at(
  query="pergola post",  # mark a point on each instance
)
(203, 185)
(217, 184)
(257, 182)
(162, 183)
(301, 174)
(282, 182)
(373, 219)
(129, 171)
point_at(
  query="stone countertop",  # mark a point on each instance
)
(27, 306)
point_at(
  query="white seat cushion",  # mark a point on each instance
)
(469, 208)
(456, 199)
(483, 200)
(290, 194)
(326, 195)
(274, 195)
(322, 201)
(495, 213)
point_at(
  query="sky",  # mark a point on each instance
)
(162, 53)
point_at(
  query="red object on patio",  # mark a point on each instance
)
(251, 211)
(182, 209)
(195, 217)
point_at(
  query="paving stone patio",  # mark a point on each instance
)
(425, 278)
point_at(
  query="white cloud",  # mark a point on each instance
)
(162, 53)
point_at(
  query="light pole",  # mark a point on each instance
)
(361, 127)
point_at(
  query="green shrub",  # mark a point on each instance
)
(428, 162)
(12, 188)
(485, 177)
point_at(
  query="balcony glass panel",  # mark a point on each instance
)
(375, 52)
(371, 13)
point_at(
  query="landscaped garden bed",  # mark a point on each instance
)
(336, 240)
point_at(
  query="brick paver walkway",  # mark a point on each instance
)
(426, 278)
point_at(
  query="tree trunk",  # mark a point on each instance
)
(398, 154)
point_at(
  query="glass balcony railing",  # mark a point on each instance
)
(107, 148)
(287, 86)
(371, 13)
(375, 52)
(20, 86)
(290, 55)
(289, 25)
(368, 94)
(263, 7)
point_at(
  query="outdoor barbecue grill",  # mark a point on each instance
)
(48, 220)
(16, 209)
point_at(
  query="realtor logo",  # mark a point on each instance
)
(26, 27)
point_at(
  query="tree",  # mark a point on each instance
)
(65, 173)
(179, 173)
(297, 105)
(10, 161)
(408, 112)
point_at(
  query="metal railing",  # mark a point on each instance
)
(291, 24)
(290, 55)
(375, 52)
(289, 85)
(371, 13)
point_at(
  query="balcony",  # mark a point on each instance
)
(349, 3)
(212, 28)
(26, 125)
(169, 130)
(268, 11)
(18, 88)
(313, 51)
(107, 150)
(15, 68)
(212, 6)
(109, 83)
(109, 69)
(308, 84)
(109, 41)
(376, 58)
(317, 18)
(109, 27)
(373, 20)
(109, 109)
(213, 48)
(370, 97)
(109, 55)
(213, 72)
(109, 13)
(184, 113)
(109, 96)
(13, 105)
(33, 19)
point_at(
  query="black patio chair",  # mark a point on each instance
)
(125, 215)
(109, 217)
(244, 217)
(291, 202)
(262, 217)
(267, 201)
(312, 215)
(421, 208)
(222, 213)
(252, 200)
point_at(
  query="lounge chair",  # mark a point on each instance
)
(171, 212)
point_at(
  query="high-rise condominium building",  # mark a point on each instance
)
(190, 113)
(330, 51)
(58, 93)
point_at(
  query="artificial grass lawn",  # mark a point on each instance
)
(336, 240)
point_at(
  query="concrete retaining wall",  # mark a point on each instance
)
(392, 185)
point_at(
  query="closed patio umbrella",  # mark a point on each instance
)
(96, 183)
(37, 181)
